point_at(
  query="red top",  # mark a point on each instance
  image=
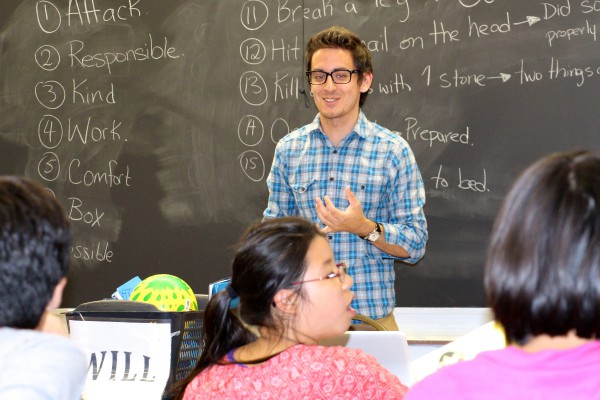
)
(300, 372)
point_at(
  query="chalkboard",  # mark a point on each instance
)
(155, 122)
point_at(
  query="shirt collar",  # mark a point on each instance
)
(360, 128)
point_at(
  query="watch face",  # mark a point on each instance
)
(373, 236)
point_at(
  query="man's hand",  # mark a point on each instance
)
(352, 219)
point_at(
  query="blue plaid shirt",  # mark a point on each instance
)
(380, 168)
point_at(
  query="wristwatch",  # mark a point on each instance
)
(374, 234)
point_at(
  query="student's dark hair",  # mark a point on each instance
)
(543, 267)
(34, 250)
(270, 256)
(337, 37)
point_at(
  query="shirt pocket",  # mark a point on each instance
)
(367, 188)
(307, 189)
(304, 190)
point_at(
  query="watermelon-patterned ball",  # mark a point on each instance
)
(166, 292)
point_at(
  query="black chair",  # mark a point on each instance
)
(202, 300)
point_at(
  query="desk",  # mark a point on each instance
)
(428, 329)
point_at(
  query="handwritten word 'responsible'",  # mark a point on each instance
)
(149, 51)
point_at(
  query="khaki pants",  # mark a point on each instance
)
(389, 322)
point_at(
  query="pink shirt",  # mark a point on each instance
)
(300, 372)
(511, 373)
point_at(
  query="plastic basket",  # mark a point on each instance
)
(186, 331)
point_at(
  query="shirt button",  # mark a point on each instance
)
(331, 179)
(335, 152)
(330, 237)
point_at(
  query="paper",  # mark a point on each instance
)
(217, 286)
(127, 360)
(124, 291)
(487, 337)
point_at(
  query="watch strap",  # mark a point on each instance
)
(376, 230)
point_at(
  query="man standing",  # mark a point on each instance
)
(37, 360)
(355, 177)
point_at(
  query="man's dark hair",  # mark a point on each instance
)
(34, 250)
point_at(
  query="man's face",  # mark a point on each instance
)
(337, 103)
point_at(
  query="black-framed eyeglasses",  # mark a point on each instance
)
(339, 76)
(342, 272)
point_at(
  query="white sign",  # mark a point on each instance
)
(126, 360)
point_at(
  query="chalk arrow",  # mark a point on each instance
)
(502, 76)
(530, 20)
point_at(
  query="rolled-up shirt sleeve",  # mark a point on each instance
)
(406, 225)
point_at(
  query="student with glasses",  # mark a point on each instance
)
(358, 180)
(291, 295)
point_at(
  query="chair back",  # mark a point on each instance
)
(370, 321)
(202, 300)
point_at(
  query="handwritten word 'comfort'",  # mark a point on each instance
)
(106, 177)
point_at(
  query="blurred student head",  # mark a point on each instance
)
(34, 252)
(543, 267)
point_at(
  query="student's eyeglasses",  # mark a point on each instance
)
(342, 272)
(339, 76)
